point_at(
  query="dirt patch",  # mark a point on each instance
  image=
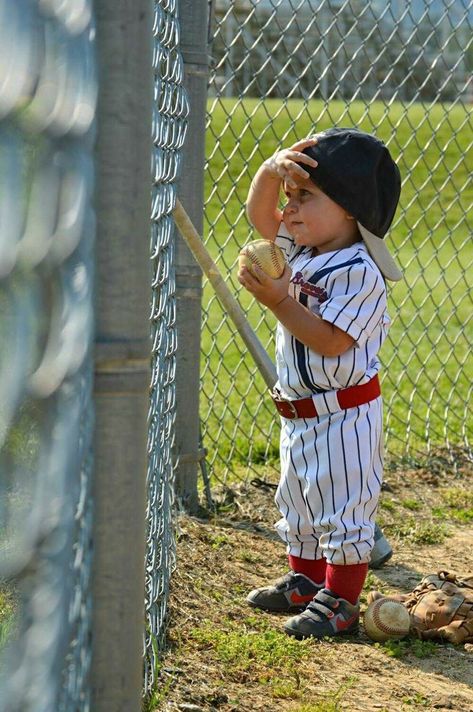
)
(223, 655)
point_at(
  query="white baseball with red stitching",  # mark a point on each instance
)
(386, 619)
(266, 255)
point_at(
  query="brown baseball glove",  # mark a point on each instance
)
(441, 607)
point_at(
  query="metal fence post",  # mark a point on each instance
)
(193, 22)
(124, 29)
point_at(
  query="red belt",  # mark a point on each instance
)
(347, 398)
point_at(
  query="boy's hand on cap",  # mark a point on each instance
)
(284, 164)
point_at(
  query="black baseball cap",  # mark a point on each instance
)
(355, 169)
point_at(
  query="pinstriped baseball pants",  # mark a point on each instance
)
(331, 475)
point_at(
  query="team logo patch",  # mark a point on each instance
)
(311, 289)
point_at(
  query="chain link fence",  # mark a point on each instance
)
(401, 69)
(169, 131)
(279, 69)
(47, 226)
(47, 106)
(48, 94)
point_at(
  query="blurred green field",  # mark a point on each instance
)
(427, 360)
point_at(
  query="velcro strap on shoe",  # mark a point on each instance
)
(323, 603)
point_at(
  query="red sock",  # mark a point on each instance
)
(312, 568)
(346, 581)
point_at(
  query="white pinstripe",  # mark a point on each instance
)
(354, 299)
(331, 474)
(332, 465)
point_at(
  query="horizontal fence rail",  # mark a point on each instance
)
(282, 69)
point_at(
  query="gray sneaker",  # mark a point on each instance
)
(292, 592)
(381, 551)
(327, 615)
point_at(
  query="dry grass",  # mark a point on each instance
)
(223, 655)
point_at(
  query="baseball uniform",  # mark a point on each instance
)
(332, 464)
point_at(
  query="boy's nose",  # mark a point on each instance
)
(291, 206)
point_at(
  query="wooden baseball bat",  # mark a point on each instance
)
(235, 312)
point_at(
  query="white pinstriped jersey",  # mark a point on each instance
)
(331, 465)
(345, 288)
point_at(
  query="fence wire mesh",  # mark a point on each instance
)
(401, 69)
(169, 130)
(47, 109)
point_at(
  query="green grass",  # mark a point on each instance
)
(457, 498)
(418, 532)
(427, 358)
(251, 645)
(402, 648)
(330, 701)
(412, 504)
(458, 505)
(8, 608)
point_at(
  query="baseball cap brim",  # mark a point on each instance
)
(380, 254)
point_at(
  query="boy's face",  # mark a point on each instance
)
(315, 220)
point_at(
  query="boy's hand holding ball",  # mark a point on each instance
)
(264, 254)
(263, 272)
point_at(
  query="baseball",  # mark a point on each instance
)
(264, 253)
(386, 619)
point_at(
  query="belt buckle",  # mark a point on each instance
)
(279, 399)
